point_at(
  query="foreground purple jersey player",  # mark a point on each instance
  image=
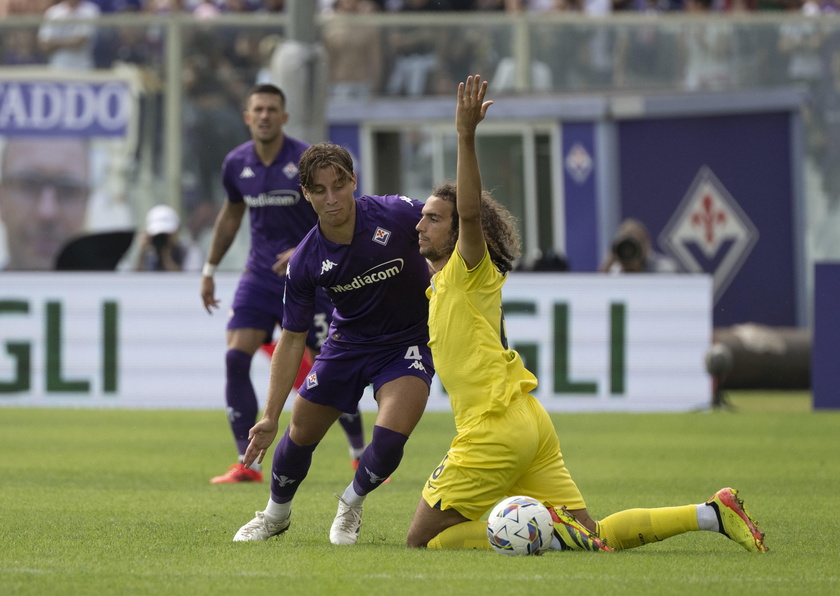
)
(362, 287)
(365, 254)
(262, 177)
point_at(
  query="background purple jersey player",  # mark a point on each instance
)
(262, 176)
(365, 253)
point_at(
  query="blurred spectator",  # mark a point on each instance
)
(21, 7)
(68, 34)
(20, 48)
(646, 55)
(273, 6)
(800, 43)
(165, 6)
(530, 5)
(460, 53)
(504, 79)
(414, 51)
(160, 248)
(706, 50)
(632, 252)
(354, 52)
(206, 9)
(213, 120)
(541, 77)
(44, 196)
(827, 105)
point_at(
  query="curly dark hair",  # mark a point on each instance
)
(324, 155)
(500, 230)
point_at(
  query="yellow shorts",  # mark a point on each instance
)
(514, 453)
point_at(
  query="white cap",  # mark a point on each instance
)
(162, 219)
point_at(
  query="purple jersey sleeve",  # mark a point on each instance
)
(377, 282)
(280, 216)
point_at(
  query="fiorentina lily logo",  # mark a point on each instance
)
(709, 232)
(579, 163)
(381, 235)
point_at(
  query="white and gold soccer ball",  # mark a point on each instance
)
(520, 526)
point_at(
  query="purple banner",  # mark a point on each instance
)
(580, 192)
(716, 194)
(64, 108)
(825, 374)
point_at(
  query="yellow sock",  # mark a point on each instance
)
(637, 527)
(472, 534)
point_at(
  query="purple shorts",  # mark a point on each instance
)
(258, 305)
(339, 376)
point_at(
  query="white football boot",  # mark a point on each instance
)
(347, 522)
(262, 527)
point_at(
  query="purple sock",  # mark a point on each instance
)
(352, 425)
(379, 460)
(240, 396)
(289, 468)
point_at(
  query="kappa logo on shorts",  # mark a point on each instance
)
(381, 235)
(312, 380)
(418, 365)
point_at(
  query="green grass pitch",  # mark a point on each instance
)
(118, 502)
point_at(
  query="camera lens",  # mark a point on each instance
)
(160, 240)
(627, 249)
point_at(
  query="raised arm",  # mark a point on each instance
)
(470, 111)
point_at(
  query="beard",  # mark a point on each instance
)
(437, 253)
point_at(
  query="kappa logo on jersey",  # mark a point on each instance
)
(327, 265)
(381, 235)
(283, 480)
(406, 199)
(709, 232)
(312, 380)
(291, 170)
(247, 173)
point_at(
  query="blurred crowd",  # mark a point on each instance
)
(221, 61)
(211, 8)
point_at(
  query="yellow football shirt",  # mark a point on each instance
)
(469, 342)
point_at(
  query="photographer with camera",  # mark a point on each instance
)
(632, 252)
(160, 248)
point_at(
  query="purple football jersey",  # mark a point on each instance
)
(280, 215)
(377, 282)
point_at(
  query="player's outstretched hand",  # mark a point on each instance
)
(208, 294)
(261, 435)
(471, 105)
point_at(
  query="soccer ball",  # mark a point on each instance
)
(520, 526)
